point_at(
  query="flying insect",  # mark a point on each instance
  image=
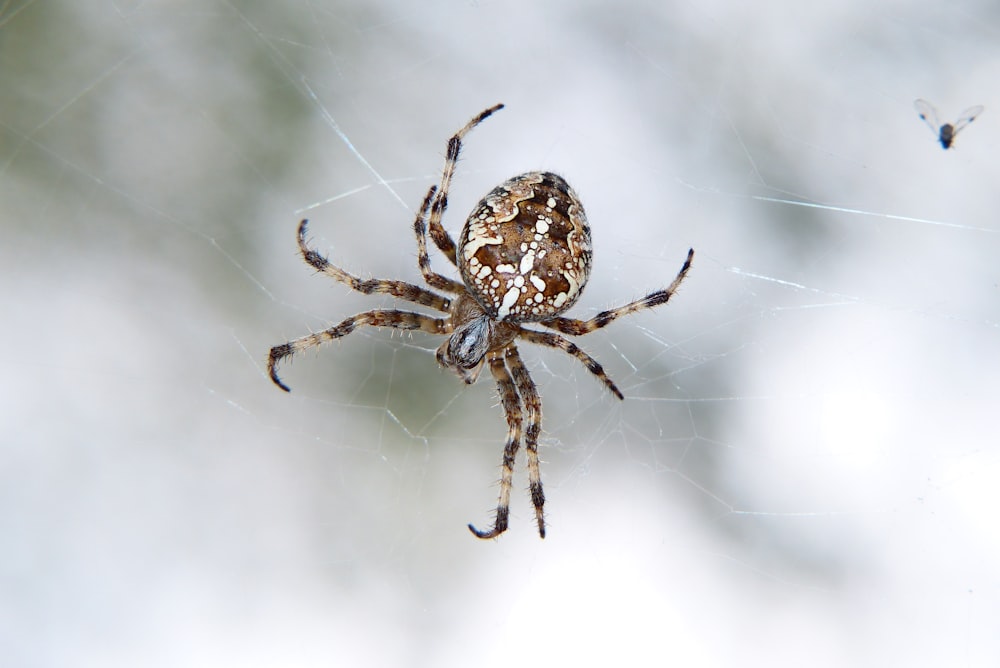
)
(946, 132)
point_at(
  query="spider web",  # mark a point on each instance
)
(805, 466)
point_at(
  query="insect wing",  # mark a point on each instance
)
(929, 115)
(967, 117)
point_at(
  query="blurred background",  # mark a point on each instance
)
(805, 468)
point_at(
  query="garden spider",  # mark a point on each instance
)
(524, 256)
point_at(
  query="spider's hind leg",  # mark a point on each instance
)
(433, 279)
(575, 327)
(439, 204)
(400, 289)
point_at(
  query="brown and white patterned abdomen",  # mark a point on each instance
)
(525, 251)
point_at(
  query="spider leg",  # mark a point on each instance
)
(441, 237)
(400, 289)
(433, 279)
(512, 409)
(533, 403)
(376, 318)
(555, 341)
(575, 327)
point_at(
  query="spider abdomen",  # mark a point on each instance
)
(525, 251)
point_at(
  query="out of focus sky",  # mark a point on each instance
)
(805, 469)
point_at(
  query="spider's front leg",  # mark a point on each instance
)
(512, 409)
(555, 341)
(533, 403)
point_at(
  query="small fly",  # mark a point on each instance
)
(946, 133)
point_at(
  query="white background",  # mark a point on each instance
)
(804, 471)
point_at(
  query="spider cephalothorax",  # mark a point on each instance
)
(524, 256)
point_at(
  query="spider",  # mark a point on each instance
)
(524, 256)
